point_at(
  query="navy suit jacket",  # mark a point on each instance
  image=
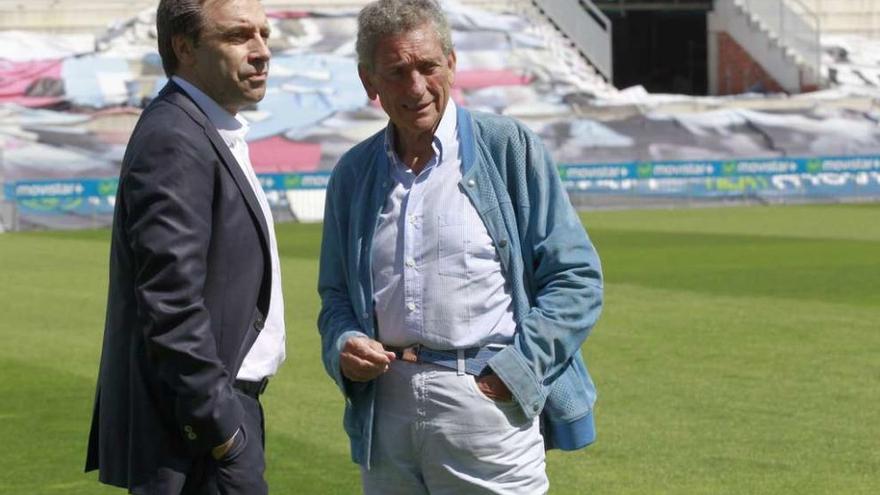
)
(190, 278)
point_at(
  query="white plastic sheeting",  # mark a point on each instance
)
(851, 60)
(20, 46)
(314, 94)
(510, 65)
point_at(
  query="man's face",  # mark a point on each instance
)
(230, 62)
(411, 77)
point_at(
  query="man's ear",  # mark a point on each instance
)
(366, 80)
(450, 63)
(184, 50)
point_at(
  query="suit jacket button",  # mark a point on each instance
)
(190, 434)
(258, 324)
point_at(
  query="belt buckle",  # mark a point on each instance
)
(410, 354)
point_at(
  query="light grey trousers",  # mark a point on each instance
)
(436, 433)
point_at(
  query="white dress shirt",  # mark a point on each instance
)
(437, 278)
(268, 352)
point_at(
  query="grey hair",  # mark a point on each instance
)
(392, 17)
(173, 18)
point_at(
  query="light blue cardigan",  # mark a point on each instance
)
(552, 268)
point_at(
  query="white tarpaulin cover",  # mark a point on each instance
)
(53, 125)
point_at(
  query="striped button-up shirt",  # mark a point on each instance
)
(437, 277)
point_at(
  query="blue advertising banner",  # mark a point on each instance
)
(73, 188)
(86, 188)
(775, 177)
(288, 182)
(817, 176)
(719, 168)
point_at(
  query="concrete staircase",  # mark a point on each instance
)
(587, 28)
(780, 36)
(573, 64)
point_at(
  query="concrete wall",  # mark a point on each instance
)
(744, 54)
(847, 16)
(66, 16)
(738, 48)
(737, 72)
(93, 16)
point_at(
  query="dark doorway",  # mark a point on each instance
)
(663, 50)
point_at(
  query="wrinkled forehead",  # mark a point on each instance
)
(419, 43)
(232, 14)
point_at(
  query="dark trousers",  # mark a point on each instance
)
(239, 472)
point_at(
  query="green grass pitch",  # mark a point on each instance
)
(739, 352)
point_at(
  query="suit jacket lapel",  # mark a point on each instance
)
(241, 181)
(178, 96)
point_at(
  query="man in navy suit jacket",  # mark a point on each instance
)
(194, 323)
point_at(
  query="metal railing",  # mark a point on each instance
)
(587, 27)
(795, 26)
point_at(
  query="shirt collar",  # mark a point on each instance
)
(446, 130)
(230, 127)
(444, 136)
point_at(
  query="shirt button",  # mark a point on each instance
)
(365, 315)
(502, 243)
(410, 262)
(411, 306)
(471, 183)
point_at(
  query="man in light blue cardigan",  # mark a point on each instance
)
(457, 283)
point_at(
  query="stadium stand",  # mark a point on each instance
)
(69, 99)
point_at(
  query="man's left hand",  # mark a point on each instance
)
(219, 451)
(493, 388)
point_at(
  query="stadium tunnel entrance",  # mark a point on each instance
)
(661, 45)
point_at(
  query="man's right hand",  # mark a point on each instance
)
(363, 359)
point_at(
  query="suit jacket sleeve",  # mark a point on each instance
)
(168, 193)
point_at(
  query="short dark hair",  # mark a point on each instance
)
(174, 18)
